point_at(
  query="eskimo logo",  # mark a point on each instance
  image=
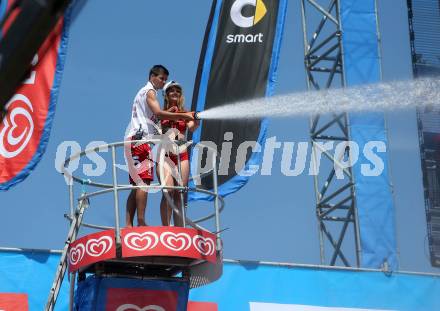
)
(244, 21)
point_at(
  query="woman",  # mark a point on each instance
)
(168, 169)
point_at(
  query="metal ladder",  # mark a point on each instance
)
(62, 266)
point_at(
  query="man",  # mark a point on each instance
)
(145, 114)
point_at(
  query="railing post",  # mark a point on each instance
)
(115, 195)
(71, 198)
(216, 204)
(72, 290)
(180, 181)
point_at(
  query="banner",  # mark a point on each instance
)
(244, 286)
(238, 61)
(250, 286)
(374, 198)
(25, 130)
(119, 294)
(26, 277)
(15, 302)
(5, 7)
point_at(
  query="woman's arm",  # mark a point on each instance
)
(193, 125)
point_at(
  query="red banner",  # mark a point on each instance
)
(13, 302)
(141, 242)
(25, 130)
(168, 241)
(131, 299)
(92, 248)
(202, 306)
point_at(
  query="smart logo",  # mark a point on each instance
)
(242, 21)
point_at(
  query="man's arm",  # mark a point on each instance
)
(154, 105)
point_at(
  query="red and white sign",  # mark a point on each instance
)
(13, 302)
(135, 299)
(168, 241)
(202, 306)
(92, 248)
(141, 242)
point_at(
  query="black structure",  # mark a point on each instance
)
(424, 23)
(27, 32)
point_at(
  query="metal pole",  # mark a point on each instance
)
(62, 265)
(71, 198)
(180, 181)
(72, 290)
(216, 205)
(315, 178)
(115, 195)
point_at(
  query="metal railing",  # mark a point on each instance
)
(218, 201)
(77, 213)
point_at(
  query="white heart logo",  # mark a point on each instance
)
(205, 246)
(141, 241)
(7, 132)
(76, 254)
(175, 242)
(98, 247)
(127, 307)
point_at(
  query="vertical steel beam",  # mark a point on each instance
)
(323, 60)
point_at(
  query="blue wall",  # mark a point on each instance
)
(241, 284)
(374, 194)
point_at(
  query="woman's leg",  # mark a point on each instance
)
(141, 205)
(183, 181)
(166, 179)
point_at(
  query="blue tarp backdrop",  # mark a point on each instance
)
(253, 287)
(374, 196)
(31, 273)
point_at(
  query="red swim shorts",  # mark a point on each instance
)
(183, 156)
(140, 165)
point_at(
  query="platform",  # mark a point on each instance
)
(147, 252)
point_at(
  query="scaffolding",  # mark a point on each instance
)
(335, 198)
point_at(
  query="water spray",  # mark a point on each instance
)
(365, 98)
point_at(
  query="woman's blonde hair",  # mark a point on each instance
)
(180, 103)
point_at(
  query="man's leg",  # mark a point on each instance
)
(130, 209)
(141, 205)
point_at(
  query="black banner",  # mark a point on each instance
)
(242, 62)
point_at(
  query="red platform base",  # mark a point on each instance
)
(172, 248)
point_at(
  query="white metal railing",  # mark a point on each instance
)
(77, 213)
(218, 201)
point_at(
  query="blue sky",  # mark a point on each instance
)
(112, 46)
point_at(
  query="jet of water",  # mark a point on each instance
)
(365, 98)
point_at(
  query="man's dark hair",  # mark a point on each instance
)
(157, 70)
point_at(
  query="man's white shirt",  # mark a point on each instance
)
(141, 114)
